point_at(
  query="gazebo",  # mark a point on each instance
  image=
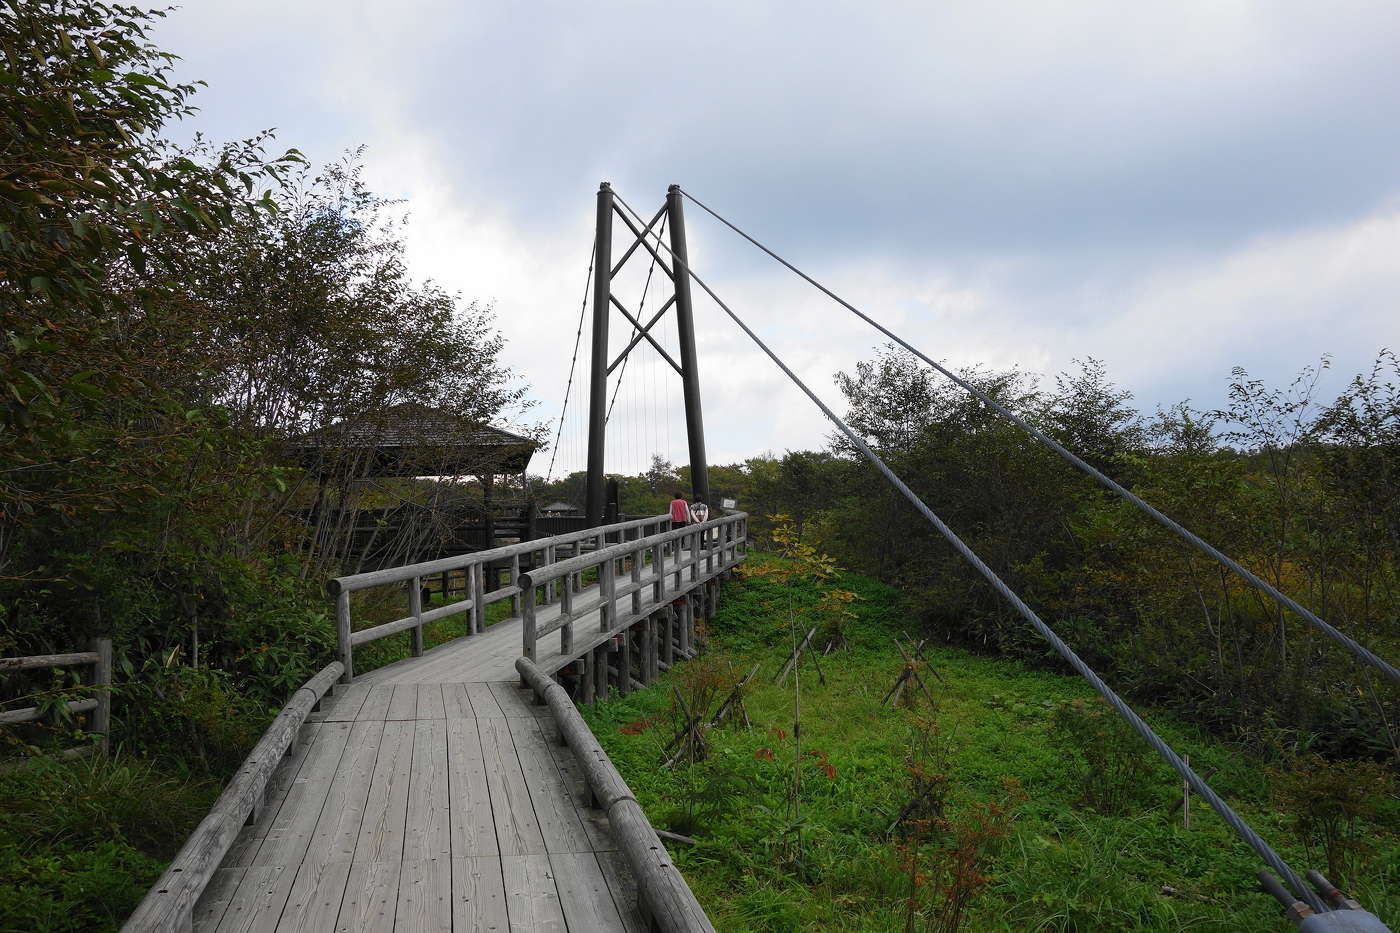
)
(411, 442)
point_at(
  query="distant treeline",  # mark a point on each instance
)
(1305, 491)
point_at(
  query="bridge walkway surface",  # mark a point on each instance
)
(437, 793)
(425, 806)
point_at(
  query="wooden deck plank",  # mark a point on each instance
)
(343, 705)
(517, 829)
(371, 898)
(623, 887)
(336, 832)
(404, 704)
(290, 834)
(215, 900)
(583, 893)
(428, 832)
(456, 702)
(314, 904)
(478, 895)
(430, 702)
(376, 705)
(532, 902)
(240, 854)
(484, 701)
(386, 808)
(516, 701)
(469, 810)
(257, 904)
(425, 896)
(594, 821)
(554, 810)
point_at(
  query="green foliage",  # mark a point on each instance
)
(80, 842)
(1058, 867)
(1335, 808)
(1119, 767)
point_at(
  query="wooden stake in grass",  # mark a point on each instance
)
(796, 655)
(733, 704)
(910, 675)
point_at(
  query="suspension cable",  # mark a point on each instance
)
(1359, 651)
(578, 338)
(1231, 818)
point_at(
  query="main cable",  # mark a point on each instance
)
(1231, 818)
(1358, 650)
(578, 338)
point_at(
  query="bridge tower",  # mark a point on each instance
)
(604, 301)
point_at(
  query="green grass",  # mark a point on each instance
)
(82, 841)
(1064, 867)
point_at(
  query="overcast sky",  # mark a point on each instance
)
(1174, 188)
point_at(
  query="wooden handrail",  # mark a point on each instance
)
(618, 551)
(663, 893)
(169, 905)
(728, 533)
(341, 587)
(360, 581)
(100, 657)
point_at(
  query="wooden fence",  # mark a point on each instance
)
(99, 705)
(689, 557)
(542, 551)
(169, 905)
(666, 899)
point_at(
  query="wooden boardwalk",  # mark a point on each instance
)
(433, 794)
(425, 806)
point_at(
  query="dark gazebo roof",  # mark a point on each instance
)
(416, 440)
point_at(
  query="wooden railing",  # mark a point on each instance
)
(542, 551)
(691, 554)
(667, 900)
(100, 705)
(169, 905)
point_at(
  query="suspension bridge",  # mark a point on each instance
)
(459, 789)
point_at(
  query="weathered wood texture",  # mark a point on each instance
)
(169, 905)
(665, 895)
(99, 705)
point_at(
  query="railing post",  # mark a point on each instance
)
(648, 647)
(637, 579)
(478, 591)
(415, 609)
(549, 558)
(607, 606)
(658, 572)
(342, 631)
(515, 581)
(102, 680)
(694, 556)
(624, 663)
(528, 623)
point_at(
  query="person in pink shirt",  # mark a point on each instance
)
(680, 511)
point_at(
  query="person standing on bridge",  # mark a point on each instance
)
(680, 511)
(680, 514)
(700, 514)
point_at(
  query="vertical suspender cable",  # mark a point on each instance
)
(578, 337)
(1241, 828)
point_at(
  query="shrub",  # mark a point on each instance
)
(1329, 803)
(1118, 765)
